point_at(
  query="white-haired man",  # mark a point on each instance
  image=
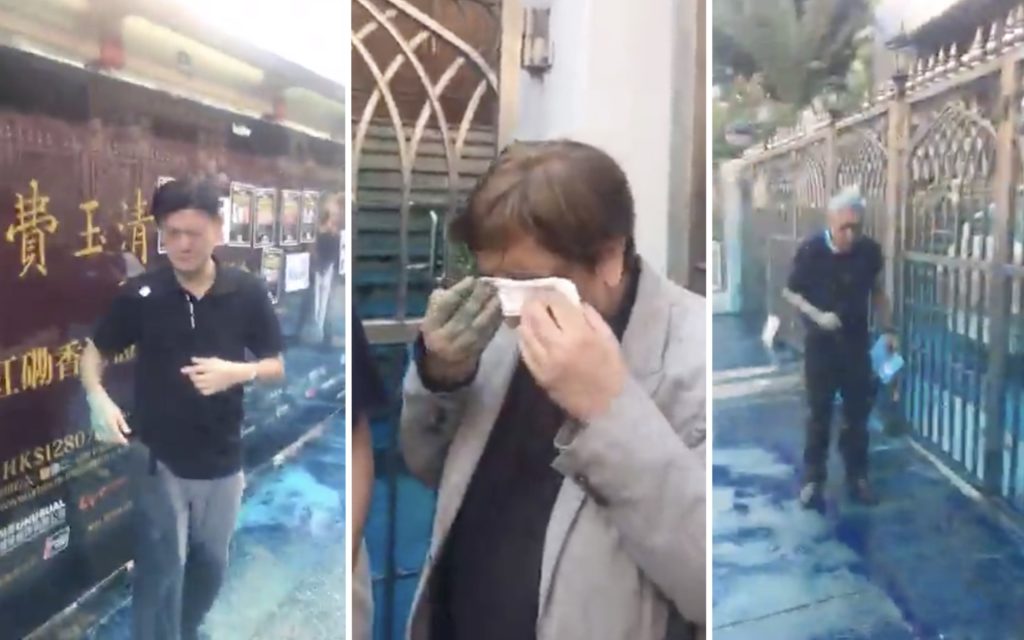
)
(835, 275)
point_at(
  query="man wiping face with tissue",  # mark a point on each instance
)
(567, 450)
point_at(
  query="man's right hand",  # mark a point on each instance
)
(107, 419)
(459, 324)
(828, 321)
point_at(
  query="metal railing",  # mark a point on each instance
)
(939, 162)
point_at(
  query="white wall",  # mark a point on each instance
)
(611, 86)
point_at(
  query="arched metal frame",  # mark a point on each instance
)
(411, 159)
(950, 173)
(431, 116)
(863, 161)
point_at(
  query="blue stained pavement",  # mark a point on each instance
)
(287, 577)
(928, 562)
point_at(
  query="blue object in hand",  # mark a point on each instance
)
(885, 364)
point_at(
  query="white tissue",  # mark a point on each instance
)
(513, 294)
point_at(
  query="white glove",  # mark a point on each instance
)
(828, 321)
(107, 419)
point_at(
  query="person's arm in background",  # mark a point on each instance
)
(883, 307)
(119, 329)
(368, 393)
(362, 479)
(265, 341)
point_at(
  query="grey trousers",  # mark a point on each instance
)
(183, 530)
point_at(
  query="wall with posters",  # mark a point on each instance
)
(75, 186)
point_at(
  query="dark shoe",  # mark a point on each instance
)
(812, 496)
(861, 493)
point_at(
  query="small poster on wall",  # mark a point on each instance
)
(296, 267)
(161, 248)
(310, 215)
(291, 217)
(241, 225)
(271, 268)
(225, 218)
(266, 217)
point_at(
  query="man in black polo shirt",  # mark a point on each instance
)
(193, 324)
(834, 276)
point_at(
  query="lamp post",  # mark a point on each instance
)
(831, 95)
(903, 56)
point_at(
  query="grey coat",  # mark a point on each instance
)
(624, 554)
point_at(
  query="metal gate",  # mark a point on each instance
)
(425, 126)
(947, 249)
(940, 168)
(789, 193)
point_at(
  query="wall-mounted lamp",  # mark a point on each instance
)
(538, 52)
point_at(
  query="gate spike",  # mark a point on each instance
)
(976, 51)
(919, 71)
(1009, 29)
(954, 61)
(992, 46)
(929, 72)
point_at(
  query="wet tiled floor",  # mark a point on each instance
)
(287, 574)
(928, 562)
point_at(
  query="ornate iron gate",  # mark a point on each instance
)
(946, 318)
(425, 126)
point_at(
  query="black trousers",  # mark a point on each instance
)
(837, 363)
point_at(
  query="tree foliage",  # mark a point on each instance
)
(795, 45)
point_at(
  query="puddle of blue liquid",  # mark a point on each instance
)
(287, 575)
(926, 563)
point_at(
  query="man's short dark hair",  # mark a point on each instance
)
(572, 198)
(186, 193)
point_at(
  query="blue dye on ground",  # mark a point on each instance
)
(928, 562)
(287, 576)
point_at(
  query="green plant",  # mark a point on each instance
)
(773, 58)
(795, 45)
